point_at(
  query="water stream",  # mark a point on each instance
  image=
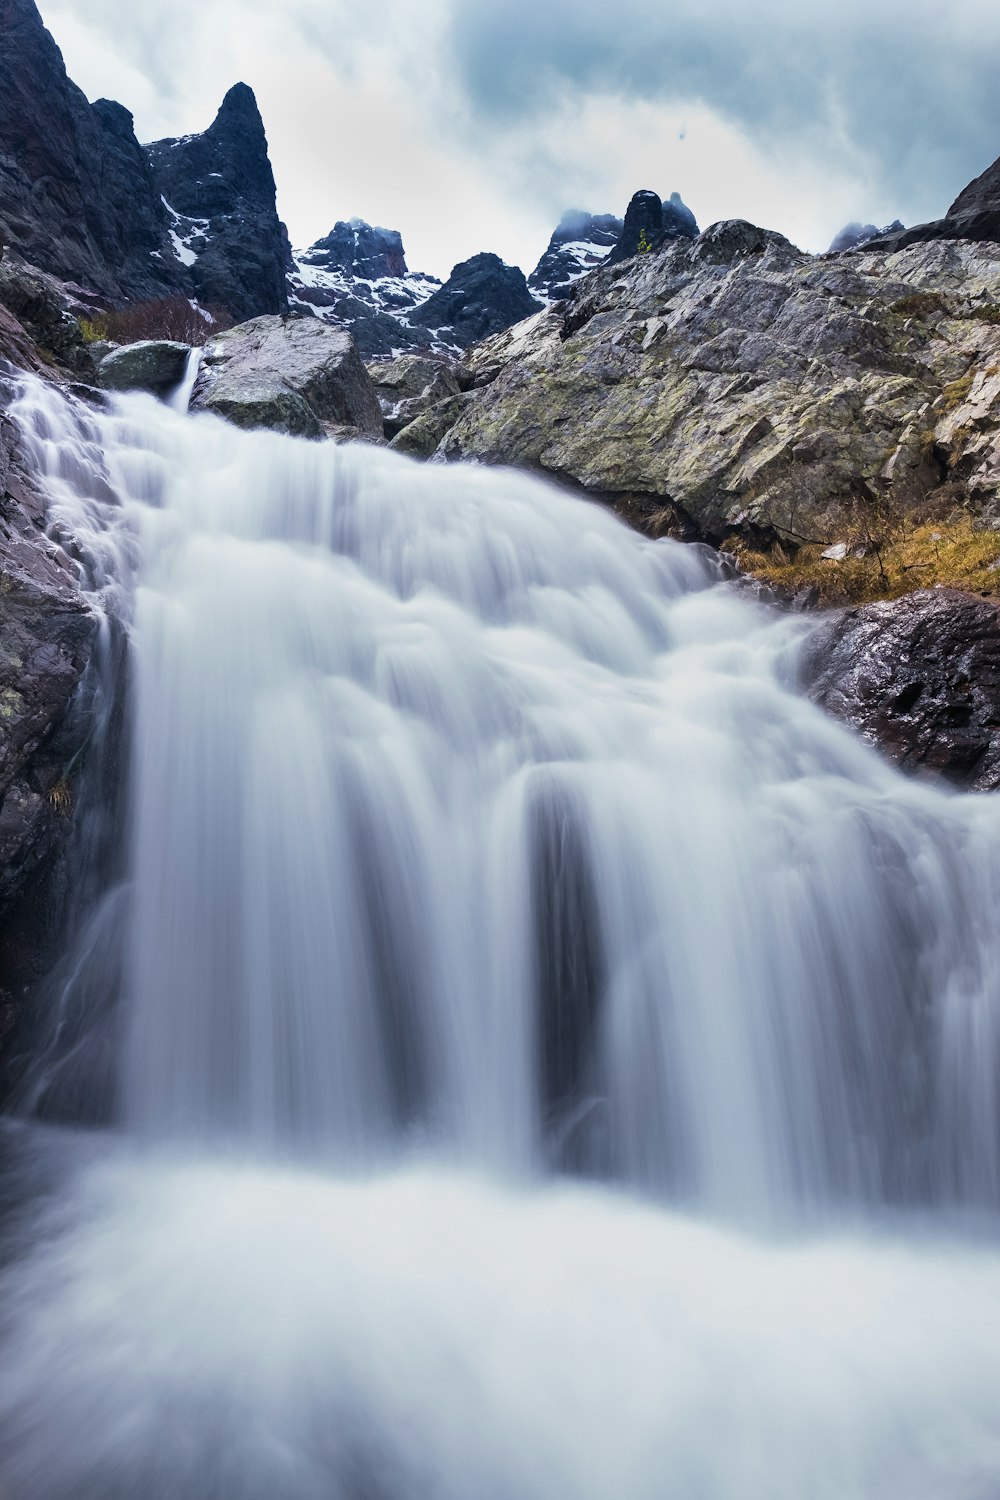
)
(550, 1057)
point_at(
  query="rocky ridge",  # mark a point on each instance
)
(581, 242)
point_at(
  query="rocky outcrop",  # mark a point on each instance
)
(409, 385)
(154, 365)
(294, 375)
(920, 678)
(650, 223)
(853, 235)
(482, 296)
(46, 637)
(42, 321)
(356, 277)
(220, 196)
(580, 244)
(974, 215)
(732, 384)
(77, 197)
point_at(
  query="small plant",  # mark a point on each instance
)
(61, 798)
(919, 305)
(644, 246)
(171, 318)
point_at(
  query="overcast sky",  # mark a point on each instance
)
(472, 124)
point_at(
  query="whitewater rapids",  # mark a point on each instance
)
(478, 845)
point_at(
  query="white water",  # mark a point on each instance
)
(473, 838)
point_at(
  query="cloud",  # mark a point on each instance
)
(901, 94)
(472, 124)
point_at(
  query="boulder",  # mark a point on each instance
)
(920, 678)
(294, 375)
(408, 385)
(420, 438)
(155, 365)
(748, 390)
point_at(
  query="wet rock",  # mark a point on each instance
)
(920, 678)
(152, 365)
(47, 634)
(294, 375)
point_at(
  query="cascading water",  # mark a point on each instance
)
(479, 847)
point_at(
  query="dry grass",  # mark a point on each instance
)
(951, 553)
(170, 318)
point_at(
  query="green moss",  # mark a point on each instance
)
(919, 305)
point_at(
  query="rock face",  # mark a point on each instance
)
(854, 234)
(974, 215)
(46, 637)
(480, 297)
(77, 197)
(220, 197)
(408, 386)
(357, 278)
(581, 242)
(920, 678)
(732, 384)
(649, 223)
(294, 375)
(153, 365)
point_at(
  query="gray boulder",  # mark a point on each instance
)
(294, 375)
(408, 385)
(153, 365)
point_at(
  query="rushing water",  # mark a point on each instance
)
(480, 853)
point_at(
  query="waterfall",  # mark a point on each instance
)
(530, 1004)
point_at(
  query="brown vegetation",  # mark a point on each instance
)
(165, 318)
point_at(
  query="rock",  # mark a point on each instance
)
(482, 296)
(580, 244)
(746, 388)
(408, 385)
(357, 278)
(154, 365)
(920, 678)
(650, 223)
(295, 375)
(421, 437)
(854, 234)
(47, 633)
(77, 197)
(974, 215)
(220, 195)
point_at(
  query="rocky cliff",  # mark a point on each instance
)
(481, 296)
(580, 243)
(218, 191)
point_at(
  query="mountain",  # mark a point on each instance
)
(974, 215)
(357, 278)
(854, 235)
(218, 191)
(81, 199)
(580, 243)
(482, 296)
(77, 194)
(650, 223)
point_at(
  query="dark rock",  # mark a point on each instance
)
(482, 296)
(77, 197)
(220, 189)
(981, 196)
(294, 375)
(581, 242)
(650, 223)
(47, 634)
(362, 249)
(154, 365)
(974, 215)
(920, 678)
(854, 235)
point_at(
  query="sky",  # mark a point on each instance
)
(473, 124)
